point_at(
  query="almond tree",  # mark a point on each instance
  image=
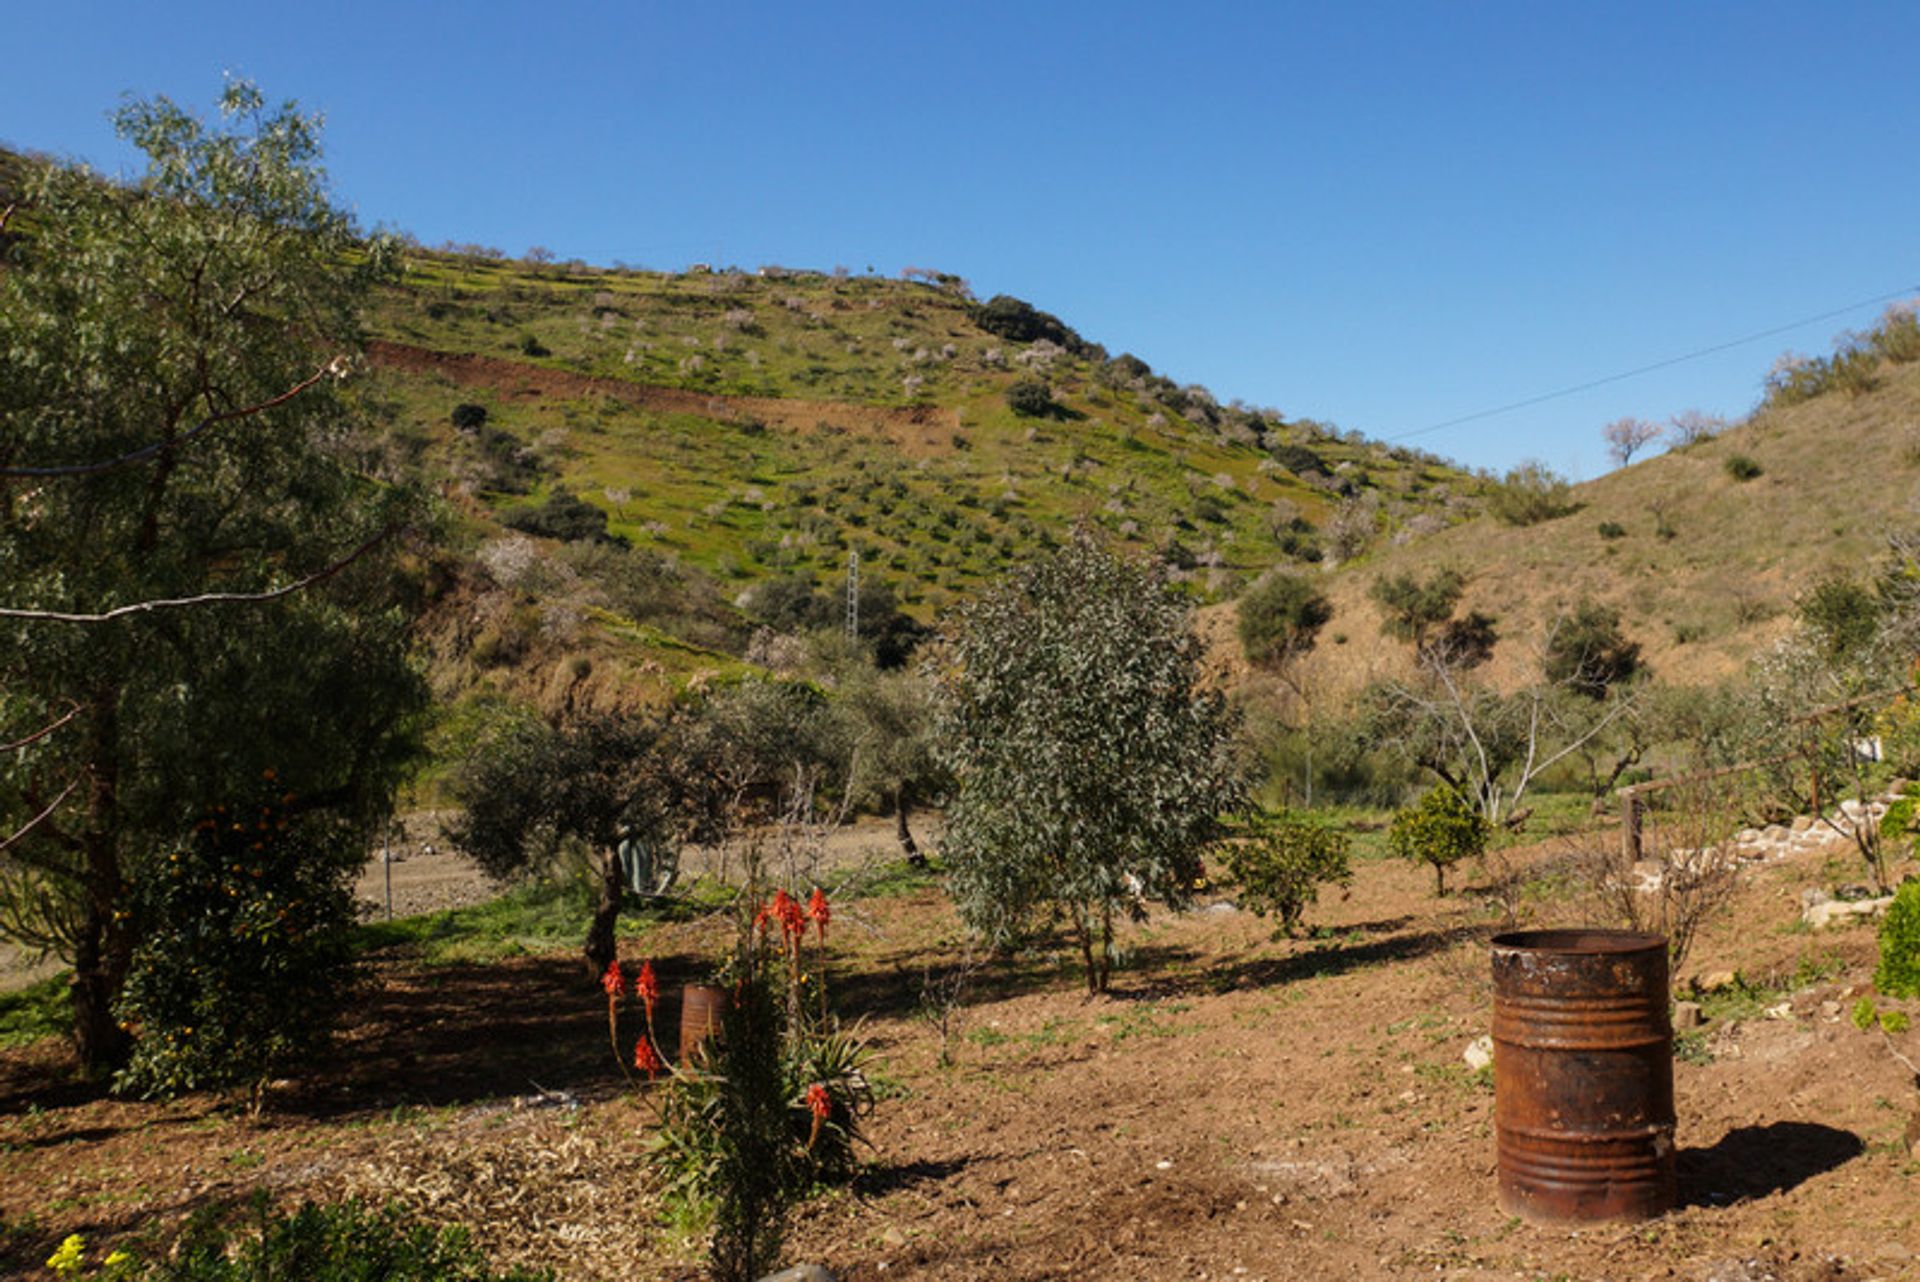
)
(1626, 436)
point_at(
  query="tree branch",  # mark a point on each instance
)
(42, 732)
(336, 367)
(40, 818)
(206, 598)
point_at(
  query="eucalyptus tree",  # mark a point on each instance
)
(1092, 757)
(200, 589)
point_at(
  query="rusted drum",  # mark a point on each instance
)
(702, 1008)
(1582, 1075)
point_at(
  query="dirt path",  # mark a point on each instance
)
(917, 430)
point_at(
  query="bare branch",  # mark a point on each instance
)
(205, 598)
(335, 367)
(40, 818)
(7, 216)
(42, 732)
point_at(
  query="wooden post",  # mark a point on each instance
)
(1630, 825)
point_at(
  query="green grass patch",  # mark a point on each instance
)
(40, 1010)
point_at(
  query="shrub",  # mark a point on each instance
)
(1280, 619)
(468, 417)
(1612, 530)
(1588, 653)
(247, 950)
(1030, 398)
(1742, 468)
(1300, 460)
(564, 516)
(1280, 871)
(776, 1105)
(1529, 494)
(1898, 974)
(338, 1242)
(1441, 830)
(1022, 322)
(532, 346)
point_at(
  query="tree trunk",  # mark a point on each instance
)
(601, 949)
(1084, 930)
(1440, 880)
(902, 804)
(103, 952)
(1106, 945)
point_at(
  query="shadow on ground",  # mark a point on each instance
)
(1758, 1161)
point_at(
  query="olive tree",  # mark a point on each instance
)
(198, 582)
(1092, 758)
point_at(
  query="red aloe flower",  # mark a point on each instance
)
(818, 910)
(793, 918)
(819, 1103)
(647, 1059)
(613, 981)
(647, 988)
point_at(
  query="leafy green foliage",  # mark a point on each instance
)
(1413, 610)
(41, 1009)
(1279, 870)
(469, 417)
(1280, 619)
(1022, 322)
(169, 344)
(322, 1242)
(1442, 829)
(1588, 652)
(1092, 760)
(1742, 468)
(1529, 494)
(564, 516)
(1898, 974)
(1030, 398)
(245, 961)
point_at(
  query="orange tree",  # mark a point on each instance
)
(201, 578)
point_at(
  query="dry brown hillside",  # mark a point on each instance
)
(1837, 473)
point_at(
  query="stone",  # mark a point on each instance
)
(1688, 1015)
(1715, 980)
(1479, 1053)
(800, 1273)
(1842, 912)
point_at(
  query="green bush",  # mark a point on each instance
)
(339, 1242)
(1280, 871)
(1022, 322)
(1441, 830)
(1898, 974)
(1612, 530)
(563, 516)
(1742, 468)
(1030, 398)
(469, 417)
(1280, 619)
(247, 950)
(1529, 494)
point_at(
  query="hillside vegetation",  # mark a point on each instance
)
(1703, 566)
(675, 443)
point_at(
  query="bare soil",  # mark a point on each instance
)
(917, 430)
(1239, 1107)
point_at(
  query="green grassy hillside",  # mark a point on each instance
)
(735, 428)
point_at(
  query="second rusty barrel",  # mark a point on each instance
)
(703, 1008)
(1583, 1075)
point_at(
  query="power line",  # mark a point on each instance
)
(1648, 369)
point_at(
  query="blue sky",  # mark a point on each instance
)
(1387, 216)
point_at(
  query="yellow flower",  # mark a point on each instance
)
(67, 1260)
(115, 1259)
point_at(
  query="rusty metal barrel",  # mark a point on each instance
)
(703, 1007)
(1582, 1075)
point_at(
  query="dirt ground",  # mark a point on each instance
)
(1238, 1108)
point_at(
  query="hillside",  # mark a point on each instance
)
(1703, 567)
(739, 428)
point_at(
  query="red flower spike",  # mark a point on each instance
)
(819, 1103)
(793, 918)
(818, 910)
(613, 981)
(647, 1059)
(647, 988)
